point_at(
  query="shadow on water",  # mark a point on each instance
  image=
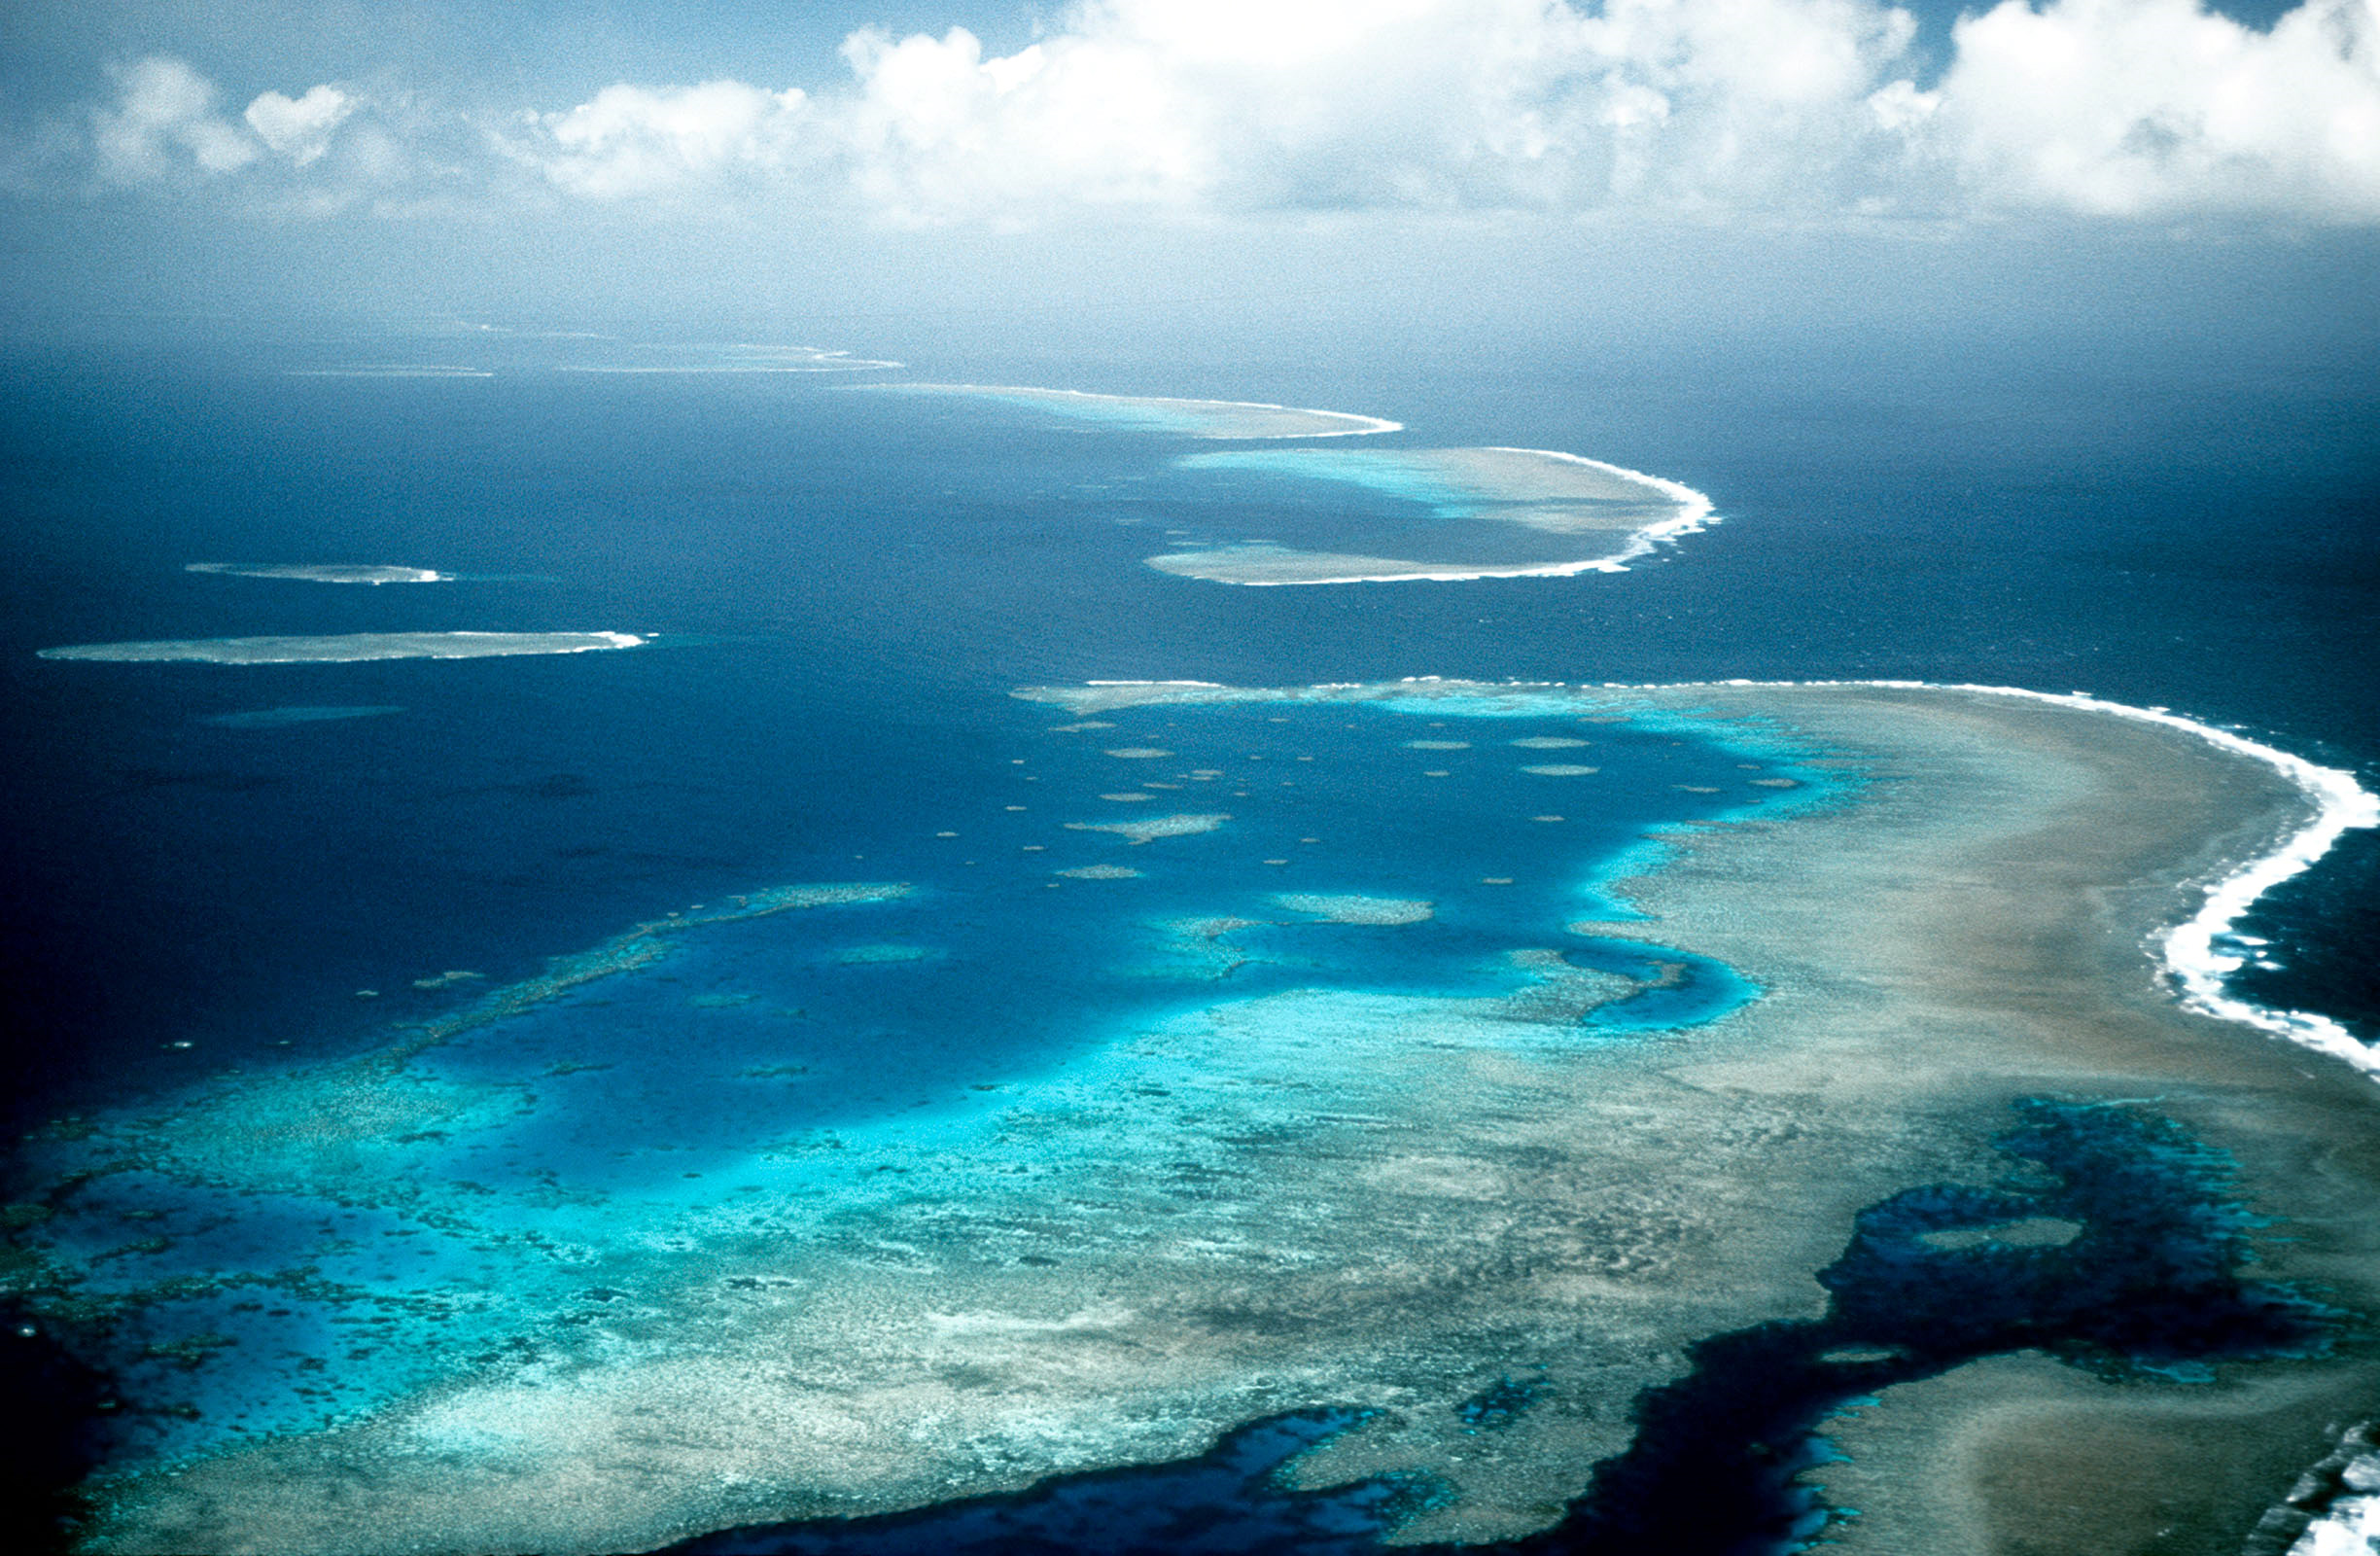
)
(2114, 1243)
(50, 1436)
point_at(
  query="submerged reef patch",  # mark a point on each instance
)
(874, 1262)
(1148, 829)
(1354, 907)
(1730, 1458)
(1190, 418)
(2151, 1292)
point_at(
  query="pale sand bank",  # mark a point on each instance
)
(1618, 514)
(1148, 829)
(1429, 1194)
(2019, 1454)
(1354, 907)
(346, 649)
(324, 572)
(1195, 418)
(1537, 488)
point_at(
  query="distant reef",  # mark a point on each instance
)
(346, 648)
(324, 572)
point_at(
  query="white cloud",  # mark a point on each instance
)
(635, 140)
(1792, 109)
(1245, 104)
(936, 131)
(300, 127)
(2146, 107)
(163, 122)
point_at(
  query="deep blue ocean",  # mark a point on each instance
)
(843, 588)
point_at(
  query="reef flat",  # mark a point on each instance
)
(2021, 1452)
(324, 573)
(1148, 829)
(1191, 418)
(1393, 1201)
(1452, 514)
(345, 649)
(1347, 907)
(1492, 512)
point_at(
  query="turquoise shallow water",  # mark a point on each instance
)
(1408, 504)
(273, 1271)
(1389, 471)
(844, 590)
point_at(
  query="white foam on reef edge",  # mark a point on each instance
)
(2193, 953)
(2351, 1528)
(1695, 516)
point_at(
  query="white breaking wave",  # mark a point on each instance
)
(1694, 515)
(2352, 1525)
(2193, 953)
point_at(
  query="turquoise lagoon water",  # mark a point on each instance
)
(1403, 506)
(841, 592)
(763, 1073)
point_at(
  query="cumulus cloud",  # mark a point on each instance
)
(634, 140)
(163, 123)
(1337, 103)
(2134, 107)
(300, 127)
(1794, 106)
(1790, 109)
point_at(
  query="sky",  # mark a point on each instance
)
(272, 157)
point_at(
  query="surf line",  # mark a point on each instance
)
(1695, 514)
(2191, 954)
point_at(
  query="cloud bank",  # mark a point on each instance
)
(1793, 110)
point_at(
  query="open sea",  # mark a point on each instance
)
(215, 868)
